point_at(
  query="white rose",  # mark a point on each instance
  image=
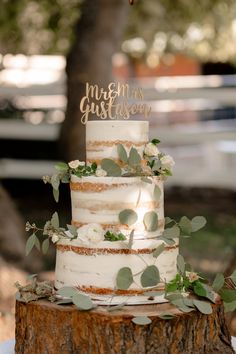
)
(91, 233)
(100, 172)
(151, 150)
(167, 162)
(192, 276)
(76, 163)
(55, 238)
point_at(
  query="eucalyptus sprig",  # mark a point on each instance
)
(64, 172)
(51, 231)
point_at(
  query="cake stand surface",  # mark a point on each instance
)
(43, 327)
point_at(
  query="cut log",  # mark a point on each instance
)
(46, 328)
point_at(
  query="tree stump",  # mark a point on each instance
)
(46, 328)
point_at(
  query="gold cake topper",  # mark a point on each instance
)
(115, 102)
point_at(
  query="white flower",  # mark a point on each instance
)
(55, 238)
(192, 276)
(76, 163)
(151, 150)
(100, 172)
(167, 162)
(93, 233)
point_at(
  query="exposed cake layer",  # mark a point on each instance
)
(101, 199)
(102, 138)
(94, 269)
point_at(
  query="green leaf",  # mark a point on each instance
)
(112, 168)
(61, 166)
(37, 243)
(55, 193)
(128, 217)
(150, 276)
(122, 153)
(230, 306)
(55, 220)
(72, 229)
(203, 306)
(67, 291)
(30, 244)
(171, 232)
(142, 320)
(83, 302)
(158, 250)
(156, 165)
(199, 289)
(150, 220)
(124, 278)
(134, 157)
(197, 223)
(185, 225)
(63, 302)
(233, 276)
(45, 246)
(180, 264)
(166, 316)
(181, 305)
(157, 193)
(168, 220)
(155, 141)
(131, 238)
(55, 181)
(218, 282)
(146, 180)
(227, 295)
(168, 241)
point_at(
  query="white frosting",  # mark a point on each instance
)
(102, 137)
(100, 270)
(123, 193)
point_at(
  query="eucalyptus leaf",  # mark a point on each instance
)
(56, 193)
(185, 225)
(134, 157)
(30, 244)
(124, 278)
(218, 282)
(168, 220)
(45, 246)
(112, 168)
(158, 250)
(230, 306)
(122, 153)
(55, 181)
(188, 302)
(197, 223)
(128, 217)
(63, 302)
(156, 165)
(157, 193)
(180, 264)
(61, 166)
(228, 295)
(55, 220)
(67, 291)
(150, 276)
(174, 296)
(146, 180)
(150, 220)
(168, 241)
(72, 229)
(83, 302)
(203, 306)
(37, 243)
(233, 276)
(182, 306)
(142, 320)
(166, 316)
(171, 232)
(131, 238)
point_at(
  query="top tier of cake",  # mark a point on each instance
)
(102, 138)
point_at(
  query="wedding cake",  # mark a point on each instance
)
(119, 216)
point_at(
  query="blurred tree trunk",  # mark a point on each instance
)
(97, 37)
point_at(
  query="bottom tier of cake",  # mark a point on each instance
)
(94, 270)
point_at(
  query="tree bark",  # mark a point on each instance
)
(46, 328)
(97, 38)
